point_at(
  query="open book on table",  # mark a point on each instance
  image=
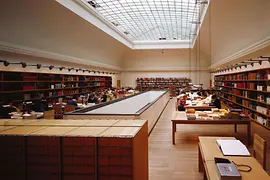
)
(233, 148)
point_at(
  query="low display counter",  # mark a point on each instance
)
(74, 149)
(146, 105)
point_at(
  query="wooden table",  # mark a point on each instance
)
(208, 149)
(180, 118)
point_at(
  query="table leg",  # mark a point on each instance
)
(248, 133)
(235, 128)
(173, 132)
(200, 161)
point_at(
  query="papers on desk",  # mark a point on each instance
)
(233, 148)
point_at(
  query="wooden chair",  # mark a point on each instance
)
(58, 112)
(259, 149)
(69, 108)
(48, 114)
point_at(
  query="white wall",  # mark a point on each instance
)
(234, 26)
(52, 30)
(13, 57)
(166, 63)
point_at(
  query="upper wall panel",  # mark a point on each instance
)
(237, 25)
(165, 60)
(46, 26)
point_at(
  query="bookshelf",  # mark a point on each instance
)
(144, 84)
(249, 91)
(18, 87)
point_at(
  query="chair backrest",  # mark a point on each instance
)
(48, 114)
(259, 149)
(69, 108)
(57, 108)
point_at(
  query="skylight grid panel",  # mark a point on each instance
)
(154, 18)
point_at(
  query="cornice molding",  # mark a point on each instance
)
(166, 69)
(5, 46)
(250, 49)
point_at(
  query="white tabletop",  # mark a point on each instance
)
(130, 105)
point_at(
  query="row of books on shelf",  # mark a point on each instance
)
(57, 86)
(263, 120)
(263, 99)
(165, 79)
(249, 85)
(19, 76)
(263, 110)
(263, 75)
(249, 104)
(98, 84)
(138, 87)
(41, 86)
(169, 83)
(62, 93)
(28, 96)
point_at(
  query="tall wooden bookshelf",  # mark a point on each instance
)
(18, 87)
(144, 84)
(249, 91)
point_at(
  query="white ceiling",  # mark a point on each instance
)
(145, 24)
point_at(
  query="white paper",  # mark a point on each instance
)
(233, 148)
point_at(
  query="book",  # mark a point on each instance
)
(228, 171)
(233, 148)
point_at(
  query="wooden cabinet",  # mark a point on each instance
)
(62, 149)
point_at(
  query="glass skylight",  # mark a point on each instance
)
(151, 20)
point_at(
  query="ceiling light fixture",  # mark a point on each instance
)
(6, 63)
(51, 67)
(265, 57)
(23, 64)
(94, 4)
(195, 22)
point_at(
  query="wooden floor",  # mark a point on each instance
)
(180, 161)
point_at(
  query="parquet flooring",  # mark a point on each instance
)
(180, 161)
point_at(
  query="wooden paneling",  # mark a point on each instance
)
(153, 112)
(140, 166)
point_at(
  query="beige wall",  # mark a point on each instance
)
(235, 25)
(165, 63)
(48, 26)
(13, 57)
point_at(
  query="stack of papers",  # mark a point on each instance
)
(233, 148)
